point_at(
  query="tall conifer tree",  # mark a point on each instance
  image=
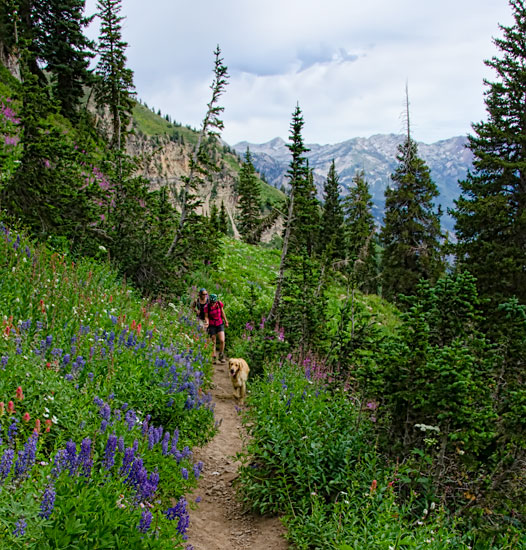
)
(223, 219)
(65, 50)
(491, 212)
(411, 233)
(331, 233)
(298, 302)
(115, 88)
(360, 235)
(297, 174)
(249, 196)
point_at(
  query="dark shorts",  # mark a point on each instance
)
(214, 329)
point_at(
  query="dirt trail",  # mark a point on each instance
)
(220, 521)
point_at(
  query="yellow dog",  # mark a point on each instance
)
(239, 370)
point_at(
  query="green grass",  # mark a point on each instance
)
(152, 125)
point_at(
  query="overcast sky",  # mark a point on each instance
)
(346, 62)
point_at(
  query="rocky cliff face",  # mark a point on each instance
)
(448, 160)
(165, 162)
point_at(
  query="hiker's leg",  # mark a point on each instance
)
(221, 336)
(213, 346)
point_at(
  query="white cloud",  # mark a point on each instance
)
(346, 63)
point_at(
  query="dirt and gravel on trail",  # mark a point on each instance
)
(220, 521)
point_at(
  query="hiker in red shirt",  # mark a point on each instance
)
(215, 320)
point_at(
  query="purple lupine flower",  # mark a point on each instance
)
(134, 472)
(158, 434)
(20, 528)
(145, 521)
(66, 359)
(71, 457)
(3, 361)
(48, 502)
(26, 458)
(98, 401)
(12, 430)
(184, 473)
(6, 463)
(198, 468)
(151, 437)
(120, 444)
(127, 460)
(130, 419)
(165, 443)
(179, 511)
(59, 463)
(84, 458)
(149, 486)
(109, 453)
(144, 428)
(103, 426)
(175, 439)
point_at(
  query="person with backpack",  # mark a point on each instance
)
(199, 306)
(215, 320)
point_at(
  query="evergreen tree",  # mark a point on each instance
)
(8, 29)
(223, 220)
(65, 50)
(115, 87)
(48, 191)
(297, 174)
(306, 215)
(298, 301)
(214, 218)
(249, 196)
(411, 233)
(360, 242)
(491, 212)
(331, 234)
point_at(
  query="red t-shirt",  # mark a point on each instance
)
(214, 313)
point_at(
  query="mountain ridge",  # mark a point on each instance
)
(448, 160)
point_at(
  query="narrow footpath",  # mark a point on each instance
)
(220, 522)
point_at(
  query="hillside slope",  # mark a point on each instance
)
(165, 149)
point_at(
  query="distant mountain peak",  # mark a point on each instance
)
(448, 159)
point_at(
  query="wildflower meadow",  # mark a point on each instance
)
(102, 397)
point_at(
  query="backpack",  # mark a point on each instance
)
(201, 307)
(216, 310)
